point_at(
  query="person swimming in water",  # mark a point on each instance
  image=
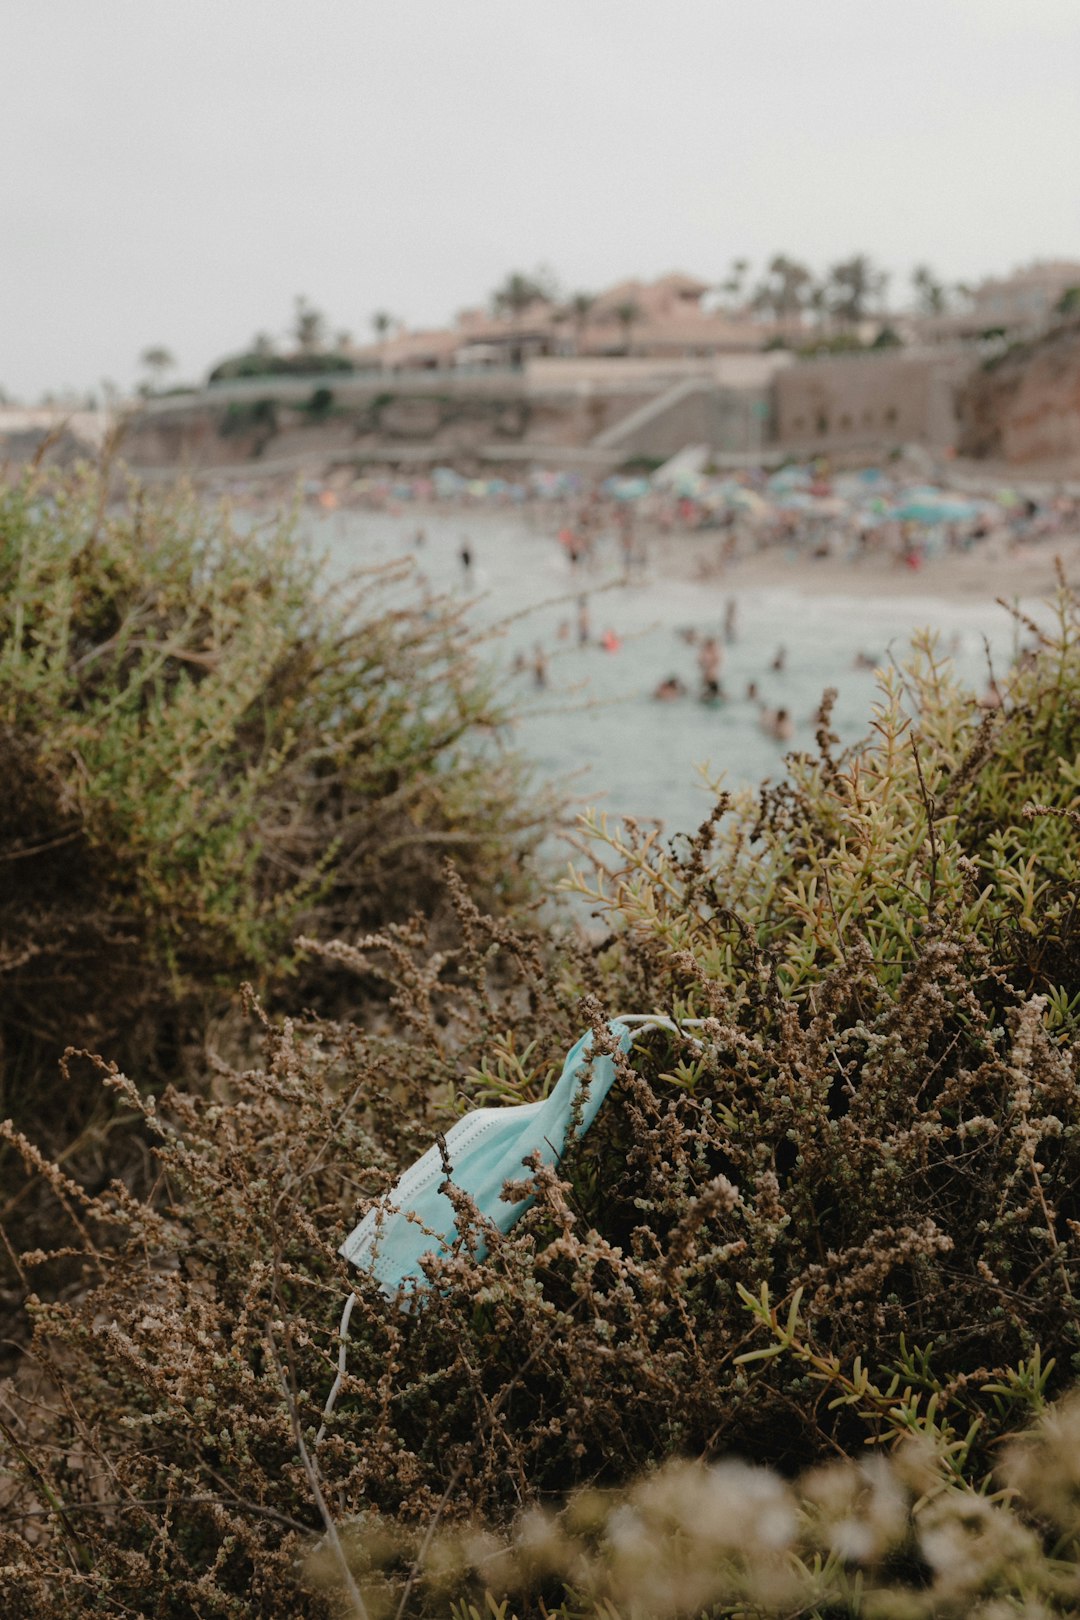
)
(669, 689)
(778, 724)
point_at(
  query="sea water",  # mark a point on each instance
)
(595, 728)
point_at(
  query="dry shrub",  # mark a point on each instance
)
(841, 1211)
(901, 1537)
(205, 746)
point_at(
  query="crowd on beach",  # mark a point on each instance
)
(611, 531)
(797, 511)
(588, 545)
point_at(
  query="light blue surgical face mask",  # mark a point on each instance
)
(484, 1150)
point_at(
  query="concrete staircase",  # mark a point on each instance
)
(625, 435)
(697, 411)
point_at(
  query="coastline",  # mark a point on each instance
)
(1029, 573)
(998, 568)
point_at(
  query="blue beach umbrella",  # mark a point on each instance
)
(931, 506)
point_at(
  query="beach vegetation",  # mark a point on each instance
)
(519, 289)
(257, 363)
(157, 361)
(241, 417)
(320, 403)
(855, 287)
(205, 748)
(783, 291)
(887, 338)
(825, 1222)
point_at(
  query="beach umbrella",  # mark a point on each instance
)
(627, 489)
(746, 500)
(931, 506)
(791, 477)
(830, 506)
(687, 485)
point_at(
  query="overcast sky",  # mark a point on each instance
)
(176, 171)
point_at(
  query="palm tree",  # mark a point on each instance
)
(158, 361)
(785, 289)
(817, 302)
(578, 310)
(381, 323)
(626, 314)
(855, 284)
(309, 326)
(929, 291)
(516, 293)
(735, 284)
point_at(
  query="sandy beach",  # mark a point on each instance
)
(984, 574)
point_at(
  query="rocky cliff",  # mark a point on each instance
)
(1024, 408)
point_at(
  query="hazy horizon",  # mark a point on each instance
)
(177, 174)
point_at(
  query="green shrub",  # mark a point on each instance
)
(240, 418)
(204, 747)
(843, 1210)
(280, 365)
(320, 403)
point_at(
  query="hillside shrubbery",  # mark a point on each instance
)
(841, 1212)
(205, 747)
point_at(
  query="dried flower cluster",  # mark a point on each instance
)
(890, 1538)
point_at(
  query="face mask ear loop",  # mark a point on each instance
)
(637, 1023)
(331, 1399)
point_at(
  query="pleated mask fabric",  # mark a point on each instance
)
(485, 1150)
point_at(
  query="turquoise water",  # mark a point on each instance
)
(596, 726)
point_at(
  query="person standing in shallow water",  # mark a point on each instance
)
(540, 668)
(465, 557)
(584, 631)
(710, 663)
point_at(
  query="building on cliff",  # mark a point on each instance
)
(1015, 308)
(664, 319)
